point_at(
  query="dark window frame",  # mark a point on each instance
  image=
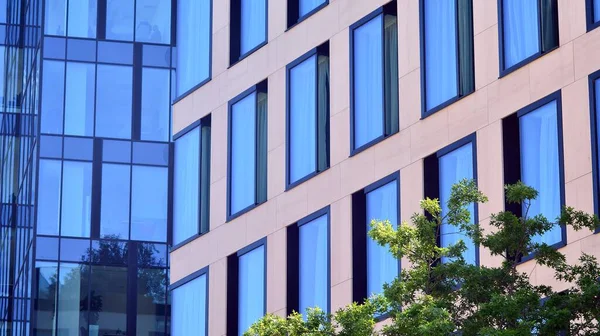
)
(293, 255)
(425, 112)
(359, 236)
(388, 9)
(431, 177)
(235, 39)
(204, 167)
(293, 15)
(261, 87)
(589, 15)
(233, 283)
(595, 137)
(503, 71)
(190, 278)
(512, 158)
(322, 50)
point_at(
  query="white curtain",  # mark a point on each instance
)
(251, 288)
(521, 30)
(188, 308)
(193, 43)
(313, 264)
(253, 22)
(187, 186)
(243, 154)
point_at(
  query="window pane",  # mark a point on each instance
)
(540, 167)
(187, 186)
(596, 10)
(76, 199)
(79, 99)
(49, 197)
(253, 23)
(155, 104)
(193, 43)
(303, 127)
(251, 288)
(119, 20)
(109, 301)
(440, 52)
(72, 298)
(149, 203)
(114, 215)
(597, 89)
(243, 153)
(454, 167)
(188, 308)
(56, 17)
(113, 103)
(368, 82)
(151, 301)
(308, 5)
(382, 267)
(53, 91)
(314, 268)
(46, 275)
(82, 18)
(153, 21)
(521, 30)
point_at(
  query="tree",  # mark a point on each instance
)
(439, 293)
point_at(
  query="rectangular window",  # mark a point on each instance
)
(75, 18)
(194, 38)
(374, 77)
(446, 52)
(308, 115)
(156, 101)
(593, 14)
(192, 182)
(373, 265)
(528, 29)
(76, 203)
(442, 170)
(247, 147)
(533, 154)
(153, 21)
(79, 99)
(248, 27)
(114, 214)
(119, 19)
(189, 305)
(114, 101)
(246, 287)
(298, 10)
(53, 90)
(594, 85)
(149, 201)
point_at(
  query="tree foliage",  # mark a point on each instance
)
(439, 293)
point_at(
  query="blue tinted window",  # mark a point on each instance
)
(56, 17)
(155, 55)
(119, 20)
(454, 167)
(314, 264)
(188, 308)
(596, 10)
(54, 47)
(251, 288)
(305, 6)
(302, 120)
(50, 173)
(53, 91)
(74, 249)
(597, 135)
(76, 199)
(243, 154)
(155, 104)
(51, 146)
(186, 191)
(116, 151)
(540, 165)
(115, 52)
(78, 148)
(114, 215)
(253, 23)
(79, 99)
(193, 43)
(520, 29)
(46, 248)
(153, 21)
(382, 267)
(82, 18)
(440, 52)
(3, 4)
(81, 50)
(113, 101)
(151, 153)
(149, 191)
(368, 82)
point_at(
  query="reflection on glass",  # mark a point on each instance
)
(152, 255)
(306, 6)
(79, 99)
(49, 197)
(72, 299)
(155, 104)
(151, 301)
(46, 276)
(193, 43)
(314, 266)
(74, 250)
(186, 186)
(114, 213)
(153, 21)
(56, 17)
(108, 252)
(82, 18)
(119, 20)
(251, 288)
(253, 23)
(53, 91)
(149, 203)
(188, 310)
(243, 154)
(114, 101)
(76, 199)
(108, 301)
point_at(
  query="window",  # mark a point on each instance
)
(192, 182)
(247, 164)
(374, 78)
(308, 115)
(528, 29)
(248, 27)
(246, 287)
(75, 18)
(446, 53)
(194, 36)
(308, 263)
(114, 101)
(53, 90)
(533, 154)
(79, 99)
(373, 265)
(593, 14)
(189, 306)
(594, 86)
(153, 21)
(443, 169)
(299, 10)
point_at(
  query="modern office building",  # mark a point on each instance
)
(303, 120)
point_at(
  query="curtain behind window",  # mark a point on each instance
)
(205, 180)
(390, 43)
(323, 114)
(521, 30)
(243, 154)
